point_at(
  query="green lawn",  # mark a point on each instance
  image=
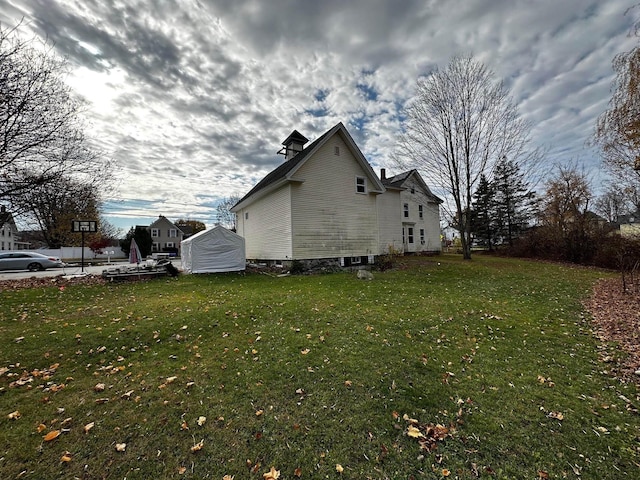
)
(315, 374)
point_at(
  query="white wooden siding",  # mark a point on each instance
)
(389, 220)
(267, 230)
(329, 219)
(430, 220)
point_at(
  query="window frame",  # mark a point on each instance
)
(361, 188)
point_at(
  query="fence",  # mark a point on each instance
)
(73, 253)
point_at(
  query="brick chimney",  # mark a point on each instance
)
(383, 174)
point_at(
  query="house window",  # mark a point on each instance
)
(155, 232)
(173, 233)
(410, 234)
(155, 247)
(404, 238)
(406, 210)
(413, 190)
(169, 245)
(361, 185)
(2, 245)
(420, 211)
(336, 150)
(246, 215)
(356, 260)
(422, 236)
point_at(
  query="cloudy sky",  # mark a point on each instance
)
(190, 99)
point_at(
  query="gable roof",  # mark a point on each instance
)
(162, 218)
(6, 218)
(398, 182)
(283, 172)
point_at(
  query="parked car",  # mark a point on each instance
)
(31, 261)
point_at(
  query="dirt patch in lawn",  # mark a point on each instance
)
(616, 318)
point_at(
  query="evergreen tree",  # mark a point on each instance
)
(483, 219)
(514, 200)
(143, 240)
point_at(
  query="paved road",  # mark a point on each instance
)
(68, 270)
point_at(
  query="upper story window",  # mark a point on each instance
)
(361, 185)
(413, 190)
(246, 215)
(155, 232)
(406, 210)
(336, 150)
(173, 233)
(420, 211)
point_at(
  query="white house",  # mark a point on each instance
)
(8, 231)
(410, 218)
(326, 202)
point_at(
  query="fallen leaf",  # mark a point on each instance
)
(181, 470)
(170, 380)
(99, 387)
(272, 474)
(339, 468)
(305, 351)
(298, 472)
(414, 432)
(542, 474)
(556, 415)
(42, 427)
(228, 477)
(445, 472)
(201, 421)
(347, 383)
(66, 458)
(197, 447)
(14, 415)
(52, 435)
(121, 447)
(88, 427)
(259, 412)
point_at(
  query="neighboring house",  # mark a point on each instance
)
(319, 204)
(630, 225)
(410, 220)
(8, 231)
(324, 202)
(165, 236)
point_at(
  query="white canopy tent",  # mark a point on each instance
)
(214, 250)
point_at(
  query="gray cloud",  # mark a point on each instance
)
(204, 91)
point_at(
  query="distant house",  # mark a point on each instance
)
(324, 202)
(414, 211)
(165, 236)
(8, 231)
(630, 225)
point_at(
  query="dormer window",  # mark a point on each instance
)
(361, 184)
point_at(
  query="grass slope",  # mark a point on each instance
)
(315, 374)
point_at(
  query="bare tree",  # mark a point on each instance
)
(225, 216)
(52, 210)
(41, 134)
(617, 132)
(460, 123)
(615, 201)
